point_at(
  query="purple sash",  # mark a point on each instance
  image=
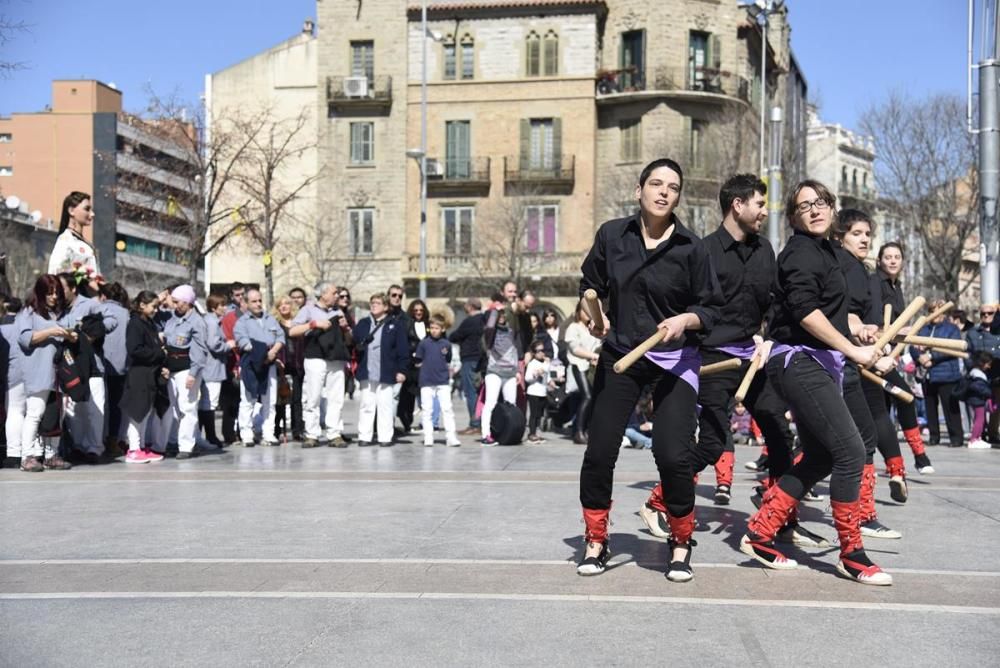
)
(742, 349)
(831, 360)
(683, 363)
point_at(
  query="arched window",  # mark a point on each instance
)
(450, 57)
(468, 50)
(854, 183)
(551, 54)
(843, 178)
(533, 54)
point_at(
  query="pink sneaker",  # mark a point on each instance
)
(152, 456)
(136, 457)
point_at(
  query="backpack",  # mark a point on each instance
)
(960, 390)
(507, 424)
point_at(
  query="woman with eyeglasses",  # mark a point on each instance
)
(852, 232)
(813, 340)
(887, 290)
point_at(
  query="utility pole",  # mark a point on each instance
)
(774, 213)
(989, 151)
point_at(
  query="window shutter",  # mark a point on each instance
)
(557, 144)
(525, 157)
(551, 55)
(715, 52)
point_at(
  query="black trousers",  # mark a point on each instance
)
(115, 391)
(716, 393)
(905, 413)
(854, 397)
(674, 421)
(952, 412)
(584, 408)
(537, 410)
(298, 425)
(407, 402)
(831, 442)
(229, 403)
(885, 430)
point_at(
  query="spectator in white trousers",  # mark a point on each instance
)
(434, 357)
(259, 338)
(326, 340)
(214, 373)
(383, 357)
(14, 404)
(184, 336)
(503, 355)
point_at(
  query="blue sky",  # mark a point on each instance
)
(852, 51)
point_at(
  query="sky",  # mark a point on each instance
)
(852, 51)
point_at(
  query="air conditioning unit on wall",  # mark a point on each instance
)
(356, 86)
(435, 168)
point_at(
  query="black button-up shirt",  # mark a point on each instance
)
(644, 287)
(746, 273)
(887, 291)
(859, 286)
(809, 278)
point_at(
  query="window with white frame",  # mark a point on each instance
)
(362, 143)
(361, 227)
(540, 226)
(457, 222)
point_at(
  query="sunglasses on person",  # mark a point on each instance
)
(396, 295)
(344, 296)
(984, 314)
(539, 350)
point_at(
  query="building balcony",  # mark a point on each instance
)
(853, 190)
(153, 268)
(700, 84)
(458, 175)
(521, 171)
(453, 267)
(359, 93)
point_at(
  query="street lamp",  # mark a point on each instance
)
(760, 10)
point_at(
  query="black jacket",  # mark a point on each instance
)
(469, 337)
(144, 386)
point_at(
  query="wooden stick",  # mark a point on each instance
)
(637, 353)
(718, 367)
(933, 342)
(594, 310)
(895, 391)
(921, 321)
(899, 323)
(760, 356)
(951, 353)
(887, 316)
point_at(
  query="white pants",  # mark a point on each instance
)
(86, 420)
(267, 413)
(31, 444)
(136, 431)
(324, 380)
(210, 390)
(15, 406)
(443, 395)
(376, 399)
(494, 386)
(183, 411)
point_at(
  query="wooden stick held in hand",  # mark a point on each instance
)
(718, 367)
(887, 316)
(899, 323)
(933, 342)
(593, 306)
(761, 355)
(895, 391)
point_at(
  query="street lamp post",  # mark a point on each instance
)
(760, 10)
(774, 182)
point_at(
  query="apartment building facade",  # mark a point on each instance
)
(138, 181)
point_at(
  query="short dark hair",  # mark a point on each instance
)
(742, 187)
(296, 290)
(144, 297)
(981, 358)
(214, 301)
(115, 292)
(656, 164)
(848, 218)
(821, 190)
(890, 244)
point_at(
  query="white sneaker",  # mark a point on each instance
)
(979, 444)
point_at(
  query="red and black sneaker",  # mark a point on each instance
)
(857, 566)
(764, 551)
(596, 563)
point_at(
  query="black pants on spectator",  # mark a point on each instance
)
(536, 406)
(115, 391)
(585, 408)
(952, 412)
(674, 422)
(229, 403)
(715, 395)
(831, 442)
(298, 425)
(407, 402)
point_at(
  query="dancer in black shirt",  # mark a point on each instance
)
(653, 274)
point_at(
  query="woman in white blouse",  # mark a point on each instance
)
(72, 253)
(582, 351)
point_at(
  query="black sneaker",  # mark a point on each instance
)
(185, 455)
(875, 529)
(857, 566)
(764, 551)
(799, 536)
(365, 444)
(923, 464)
(594, 565)
(759, 465)
(758, 496)
(386, 445)
(680, 571)
(723, 495)
(897, 488)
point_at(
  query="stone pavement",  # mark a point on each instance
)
(465, 556)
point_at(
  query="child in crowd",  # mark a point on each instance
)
(639, 430)
(739, 425)
(976, 394)
(433, 355)
(538, 382)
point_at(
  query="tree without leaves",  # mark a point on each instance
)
(263, 176)
(926, 166)
(9, 28)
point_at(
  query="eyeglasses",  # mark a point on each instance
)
(984, 314)
(343, 296)
(820, 204)
(396, 295)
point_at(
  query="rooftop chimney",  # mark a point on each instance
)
(308, 26)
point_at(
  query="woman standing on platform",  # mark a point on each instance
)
(809, 325)
(654, 276)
